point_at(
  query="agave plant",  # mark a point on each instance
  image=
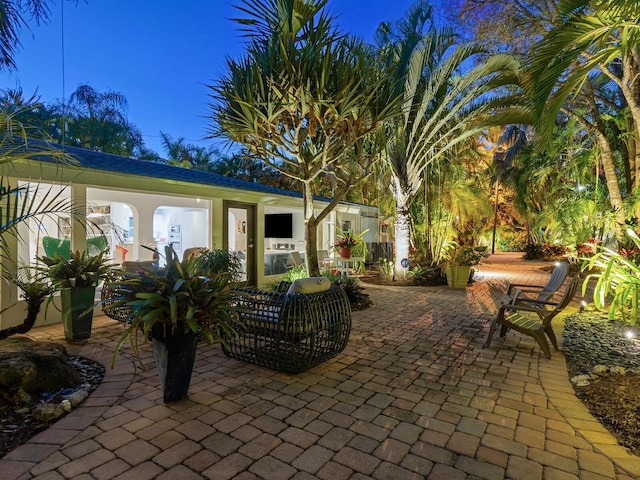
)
(618, 281)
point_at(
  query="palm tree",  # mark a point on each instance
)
(188, 155)
(305, 100)
(595, 40)
(446, 102)
(98, 121)
(18, 203)
(12, 21)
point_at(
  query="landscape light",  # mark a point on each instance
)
(630, 334)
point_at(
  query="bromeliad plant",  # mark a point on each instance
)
(346, 239)
(78, 271)
(618, 281)
(193, 295)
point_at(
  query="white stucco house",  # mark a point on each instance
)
(133, 203)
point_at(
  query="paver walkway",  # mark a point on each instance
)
(413, 396)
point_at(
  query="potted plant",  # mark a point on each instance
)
(345, 242)
(174, 305)
(76, 278)
(460, 262)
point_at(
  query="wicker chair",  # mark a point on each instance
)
(110, 306)
(290, 332)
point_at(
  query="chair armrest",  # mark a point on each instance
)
(512, 285)
(528, 308)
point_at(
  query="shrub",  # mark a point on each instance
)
(295, 273)
(385, 267)
(546, 251)
(618, 281)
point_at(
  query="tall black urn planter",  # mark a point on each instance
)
(175, 354)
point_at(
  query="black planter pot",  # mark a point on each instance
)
(175, 354)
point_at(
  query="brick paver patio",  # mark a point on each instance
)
(413, 396)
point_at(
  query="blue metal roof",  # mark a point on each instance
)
(131, 166)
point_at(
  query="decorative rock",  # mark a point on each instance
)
(581, 380)
(618, 370)
(35, 366)
(76, 398)
(48, 411)
(600, 369)
(66, 405)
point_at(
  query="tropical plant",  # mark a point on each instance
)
(466, 255)
(306, 100)
(183, 296)
(20, 203)
(505, 25)
(219, 262)
(587, 66)
(445, 104)
(346, 239)
(98, 121)
(35, 287)
(618, 281)
(294, 273)
(187, 155)
(12, 21)
(78, 271)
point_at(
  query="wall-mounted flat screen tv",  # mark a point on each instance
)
(278, 225)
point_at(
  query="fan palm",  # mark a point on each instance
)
(595, 38)
(446, 102)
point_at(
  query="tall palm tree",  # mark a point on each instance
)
(447, 101)
(595, 39)
(305, 100)
(98, 121)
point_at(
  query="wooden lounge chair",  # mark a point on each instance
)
(533, 318)
(522, 293)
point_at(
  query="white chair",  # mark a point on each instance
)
(294, 260)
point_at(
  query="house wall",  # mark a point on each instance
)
(144, 195)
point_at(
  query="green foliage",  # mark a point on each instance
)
(80, 270)
(295, 273)
(346, 239)
(219, 262)
(429, 275)
(545, 251)
(385, 267)
(189, 295)
(512, 241)
(618, 281)
(467, 255)
(304, 99)
(351, 286)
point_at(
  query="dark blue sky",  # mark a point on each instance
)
(158, 53)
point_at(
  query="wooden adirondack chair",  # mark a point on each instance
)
(533, 318)
(521, 293)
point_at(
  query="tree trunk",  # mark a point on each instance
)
(402, 234)
(615, 196)
(33, 308)
(310, 232)
(608, 165)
